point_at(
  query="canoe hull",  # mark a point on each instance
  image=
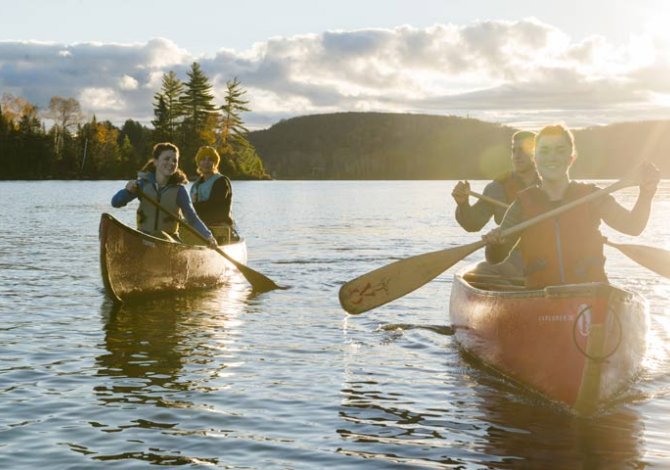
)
(578, 345)
(134, 263)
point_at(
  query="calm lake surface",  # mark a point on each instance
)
(225, 379)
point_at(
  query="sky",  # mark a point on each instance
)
(516, 62)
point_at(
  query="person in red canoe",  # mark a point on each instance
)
(567, 249)
(504, 189)
(162, 180)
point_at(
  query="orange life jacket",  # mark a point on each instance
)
(512, 184)
(567, 249)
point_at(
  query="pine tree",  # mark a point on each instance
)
(161, 121)
(233, 132)
(235, 148)
(168, 107)
(198, 106)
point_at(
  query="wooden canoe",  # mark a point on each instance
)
(577, 345)
(134, 263)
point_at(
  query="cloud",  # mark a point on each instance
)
(101, 98)
(128, 83)
(522, 72)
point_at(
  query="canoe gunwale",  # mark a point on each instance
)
(554, 292)
(157, 240)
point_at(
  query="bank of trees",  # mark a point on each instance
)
(74, 148)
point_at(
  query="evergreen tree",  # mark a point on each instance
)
(140, 137)
(233, 132)
(168, 108)
(198, 106)
(235, 148)
(161, 121)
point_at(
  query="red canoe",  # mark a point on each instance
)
(134, 263)
(578, 345)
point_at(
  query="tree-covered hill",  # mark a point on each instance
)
(409, 146)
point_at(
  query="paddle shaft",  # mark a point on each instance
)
(488, 199)
(259, 282)
(623, 183)
(558, 210)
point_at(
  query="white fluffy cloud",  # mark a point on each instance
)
(524, 73)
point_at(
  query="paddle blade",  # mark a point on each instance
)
(259, 282)
(401, 277)
(653, 258)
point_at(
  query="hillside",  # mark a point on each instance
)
(410, 146)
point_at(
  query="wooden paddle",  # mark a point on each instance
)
(259, 282)
(401, 277)
(488, 199)
(652, 258)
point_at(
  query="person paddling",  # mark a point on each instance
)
(212, 195)
(504, 189)
(162, 180)
(568, 248)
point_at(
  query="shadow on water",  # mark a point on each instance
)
(163, 353)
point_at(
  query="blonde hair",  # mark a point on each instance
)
(207, 151)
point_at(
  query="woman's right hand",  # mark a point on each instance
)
(131, 186)
(494, 237)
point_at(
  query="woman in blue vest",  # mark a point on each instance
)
(212, 194)
(162, 180)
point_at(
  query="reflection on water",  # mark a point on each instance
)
(609, 441)
(158, 348)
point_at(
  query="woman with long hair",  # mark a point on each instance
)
(162, 180)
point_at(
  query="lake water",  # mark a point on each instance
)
(225, 379)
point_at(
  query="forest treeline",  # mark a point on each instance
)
(328, 146)
(74, 148)
(408, 146)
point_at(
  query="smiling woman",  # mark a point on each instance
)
(554, 155)
(161, 179)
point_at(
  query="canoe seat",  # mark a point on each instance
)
(491, 282)
(223, 233)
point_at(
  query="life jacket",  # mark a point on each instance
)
(151, 219)
(513, 184)
(201, 189)
(567, 249)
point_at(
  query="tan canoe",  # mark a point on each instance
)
(134, 263)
